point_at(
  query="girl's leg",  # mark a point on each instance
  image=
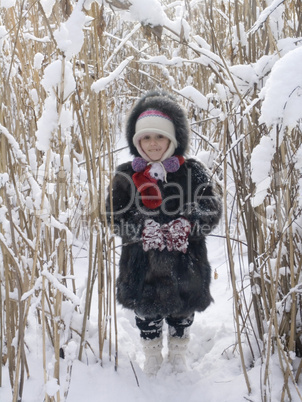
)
(152, 342)
(149, 328)
(178, 339)
(179, 326)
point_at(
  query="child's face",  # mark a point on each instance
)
(154, 145)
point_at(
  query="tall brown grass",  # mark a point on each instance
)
(38, 188)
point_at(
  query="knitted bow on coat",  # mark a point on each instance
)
(173, 235)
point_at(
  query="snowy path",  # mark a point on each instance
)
(214, 372)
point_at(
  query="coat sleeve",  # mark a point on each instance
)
(204, 204)
(121, 207)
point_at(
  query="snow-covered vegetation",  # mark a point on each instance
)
(70, 72)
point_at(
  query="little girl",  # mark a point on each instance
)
(163, 206)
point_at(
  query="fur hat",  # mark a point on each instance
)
(166, 111)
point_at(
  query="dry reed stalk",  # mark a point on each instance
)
(44, 335)
(232, 266)
(2, 361)
(97, 116)
(81, 118)
(2, 326)
(109, 242)
(17, 306)
(100, 102)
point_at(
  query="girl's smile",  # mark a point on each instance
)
(154, 145)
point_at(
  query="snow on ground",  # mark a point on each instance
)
(214, 368)
(214, 372)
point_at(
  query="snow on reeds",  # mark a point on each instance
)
(70, 71)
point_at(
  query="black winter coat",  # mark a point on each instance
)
(162, 283)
